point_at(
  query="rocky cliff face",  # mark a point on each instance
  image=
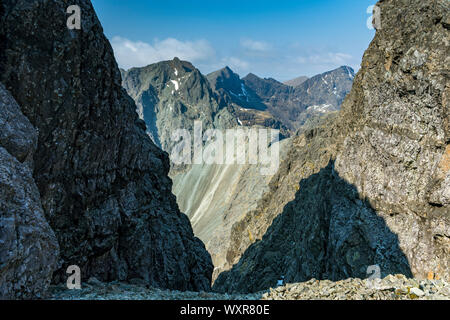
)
(374, 183)
(103, 184)
(28, 246)
(173, 94)
(398, 153)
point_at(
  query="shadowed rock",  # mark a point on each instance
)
(326, 232)
(28, 246)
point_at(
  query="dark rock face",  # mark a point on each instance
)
(103, 184)
(375, 182)
(28, 246)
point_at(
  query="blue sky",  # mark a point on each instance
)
(278, 39)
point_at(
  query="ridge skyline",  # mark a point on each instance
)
(284, 82)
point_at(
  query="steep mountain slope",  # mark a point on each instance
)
(28, 246)
(104, 185)
(294, 106)
(173, 94)
(215, 197)
(374, 185)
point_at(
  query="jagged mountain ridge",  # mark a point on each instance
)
(294, 106)
(29, 249)
(172, 95)
(382, 164)
(103, 184)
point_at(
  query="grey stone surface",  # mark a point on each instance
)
(28, 246)
(104, 185)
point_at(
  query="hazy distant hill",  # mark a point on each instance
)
(173, 94)
(296, 82)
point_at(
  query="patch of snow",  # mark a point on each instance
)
(323, 108)
(350, 74)
(244, 91)
(239, 121)
(177, 86)
(176, 72)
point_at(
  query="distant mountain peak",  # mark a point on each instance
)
(296, 81)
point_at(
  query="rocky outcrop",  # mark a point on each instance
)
(28, 246)
(296, 81)
(399, 114)
(373, 183)
(103, 184)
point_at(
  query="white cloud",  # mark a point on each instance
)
(256, 46)
(139, 54)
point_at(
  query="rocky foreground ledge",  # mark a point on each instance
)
(393, 287)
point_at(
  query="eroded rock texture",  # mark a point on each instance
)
(103, 183)
(28, 246)
(374, 185)
(399, 112)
